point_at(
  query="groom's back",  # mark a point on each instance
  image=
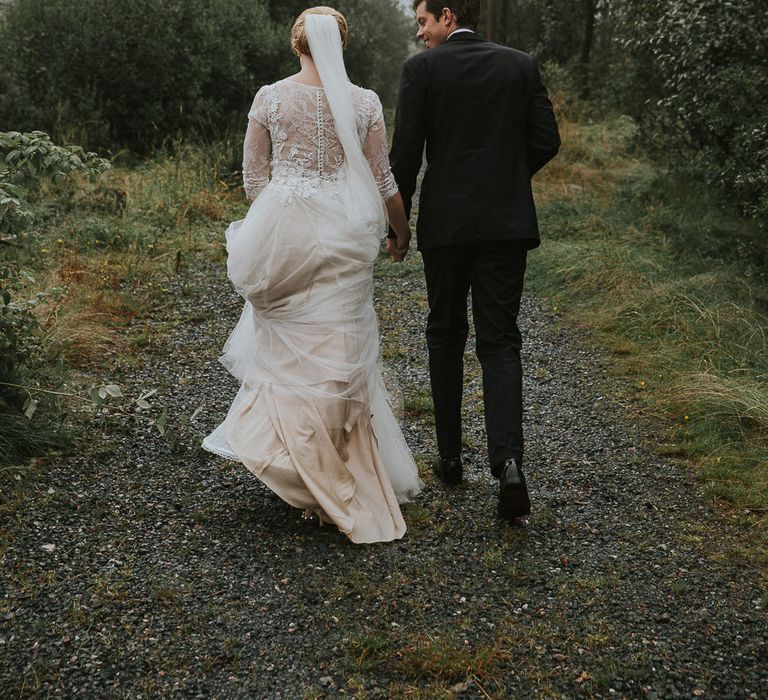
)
(479, 92)
(478, 99)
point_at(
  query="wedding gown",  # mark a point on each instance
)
(311, 418)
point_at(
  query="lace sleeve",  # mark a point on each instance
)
(376, 150)
(257, 147)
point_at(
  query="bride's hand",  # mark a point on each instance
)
(398, 247)
(396, 253)
(398, 222)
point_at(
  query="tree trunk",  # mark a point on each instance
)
(503, 35)
(589, 29)
(491, 31)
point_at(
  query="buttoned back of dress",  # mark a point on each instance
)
(291, 138)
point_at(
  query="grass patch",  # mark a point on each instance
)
(419, 405)
(437, 661)
(521, 653)
(673, 283)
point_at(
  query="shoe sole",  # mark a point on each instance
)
(514, 502)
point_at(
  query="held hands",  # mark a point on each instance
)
(398, 222)
(398, 247)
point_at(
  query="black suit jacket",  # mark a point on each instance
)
(488, 125)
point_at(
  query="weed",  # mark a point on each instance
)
(419, 405)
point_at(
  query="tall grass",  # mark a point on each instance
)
(113, 250)
(117, 247)
(672, 281)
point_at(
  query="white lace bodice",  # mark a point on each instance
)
(291, 138)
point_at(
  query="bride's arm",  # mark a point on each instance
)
(257, 149)
(376, 152)
(398, 246)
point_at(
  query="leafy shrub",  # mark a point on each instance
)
(709, 87)
(132, 72)
(25, 360)
(27, 158)
(28, 360)
(136, 74)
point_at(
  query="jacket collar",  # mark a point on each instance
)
(465, 36)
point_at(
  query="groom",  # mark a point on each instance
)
(488, 125)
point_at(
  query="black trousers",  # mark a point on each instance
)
(494, 272)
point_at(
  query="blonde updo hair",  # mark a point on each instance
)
(299, 43)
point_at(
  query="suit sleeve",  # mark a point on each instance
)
(410, 131)
(542, 136)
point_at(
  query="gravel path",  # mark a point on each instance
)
(148, 568)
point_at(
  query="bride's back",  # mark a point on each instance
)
(301, 127)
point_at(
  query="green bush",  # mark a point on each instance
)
(29, 414)
(692, 73)
(707, 89)
(136, 74)
(29, 420)
(25, 159)
(131, 73)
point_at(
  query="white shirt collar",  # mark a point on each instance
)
(456, 31)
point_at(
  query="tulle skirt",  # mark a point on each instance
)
(312, 419)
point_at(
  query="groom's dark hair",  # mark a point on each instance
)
(467, 11)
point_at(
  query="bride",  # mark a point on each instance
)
(311, 418)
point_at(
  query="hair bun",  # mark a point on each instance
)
(299, 43)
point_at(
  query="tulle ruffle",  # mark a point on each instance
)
(311, 418)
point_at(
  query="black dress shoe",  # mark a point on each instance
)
(449, 471)
(513, 493)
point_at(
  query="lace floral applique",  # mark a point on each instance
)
(291, 132)
(257, 146)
